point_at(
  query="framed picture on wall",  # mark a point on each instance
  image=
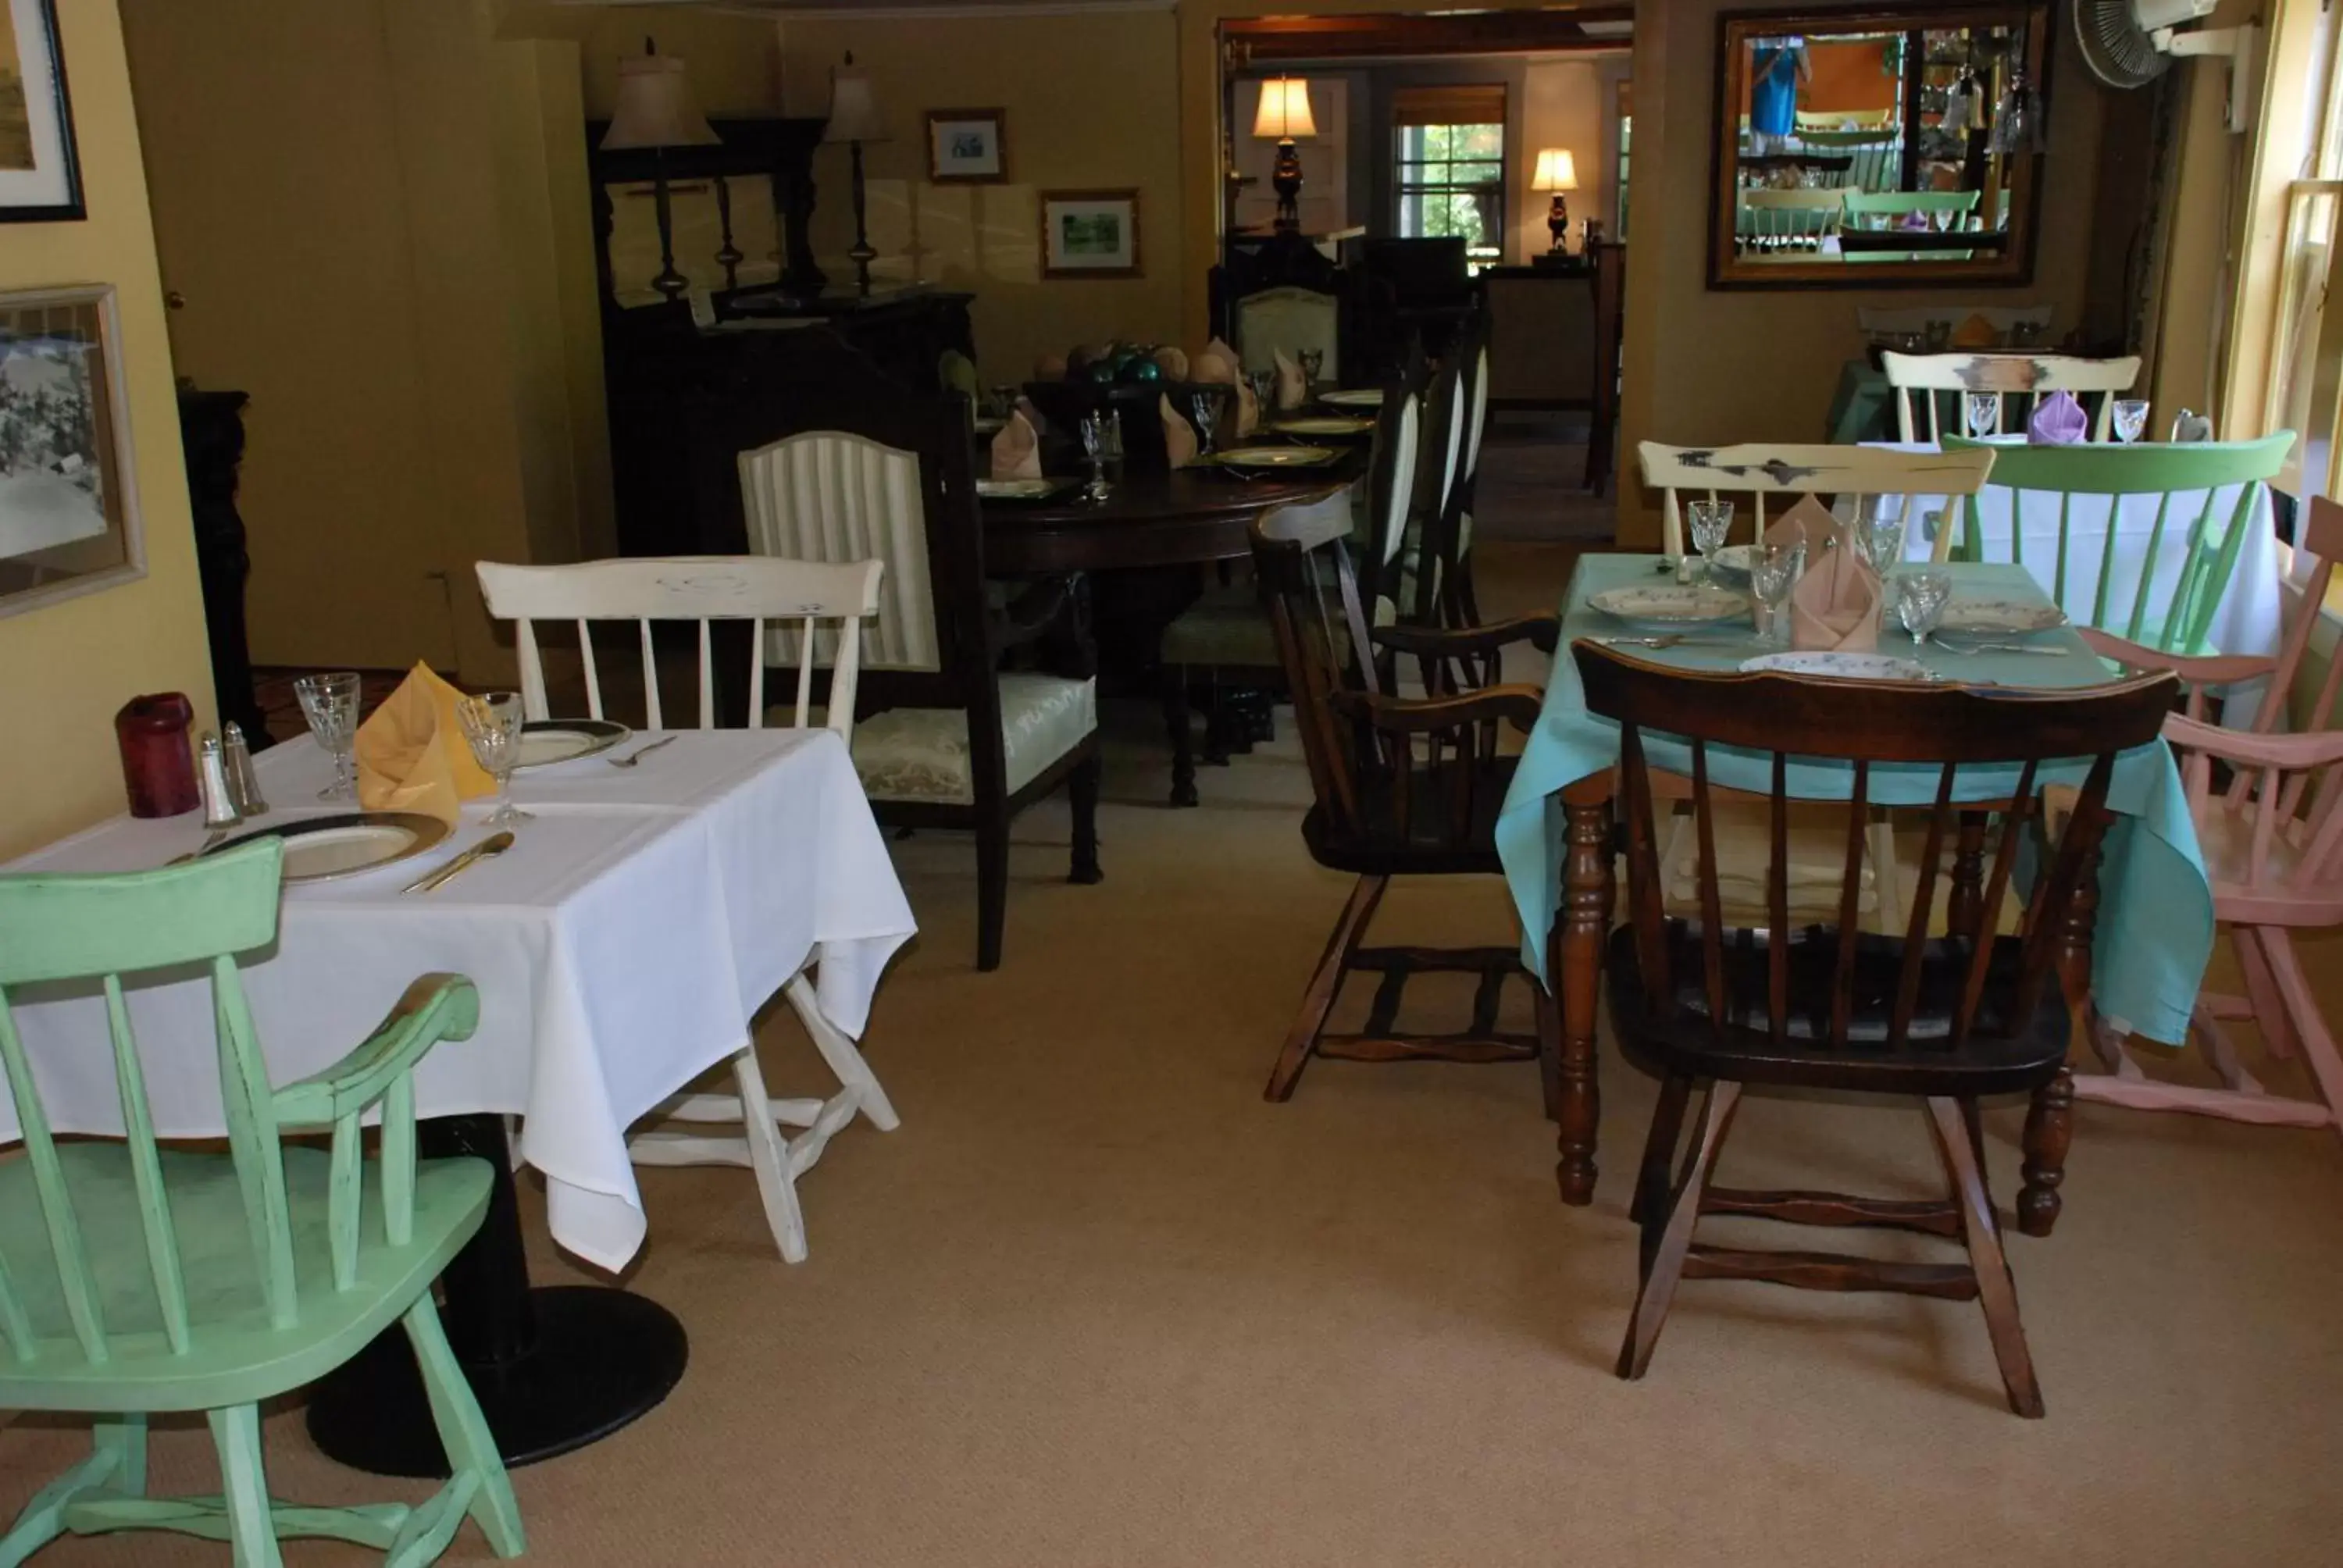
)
(69, 508)
(967, 146)
(1090, 234)
(40, 176)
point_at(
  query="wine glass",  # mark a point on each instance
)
(1312, 361)
(1983, 410)
(1774, 570)
(1920, 600)
(1880, 536)
(492, 724)
(331, 703)
(1207, 407)
(1265, 388)
(1710, 521)
(1095, 443)
(2130, 418)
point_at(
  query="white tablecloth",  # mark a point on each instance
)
(2251, 615)
(621, 948)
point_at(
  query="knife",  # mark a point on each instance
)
(494, 844)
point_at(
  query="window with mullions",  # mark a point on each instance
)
(1451, 184)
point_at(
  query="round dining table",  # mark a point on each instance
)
(1185, 516)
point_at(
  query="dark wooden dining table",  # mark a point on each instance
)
(1184, 517)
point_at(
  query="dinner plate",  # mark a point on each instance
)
(1731, 561)
(1353, 397)
(1022, 489)
(1672, 602)
(322, 848)
(1829, 664)
(1325, 425)
(2001, 617)
(1278, 457)
(552, 740)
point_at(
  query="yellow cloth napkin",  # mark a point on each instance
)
(1976, 332)
(1017, 449)
(1836, 606)
(1178, 436)
(1292, 391)
(1172, 361)
(411, 753)
(1809, 520)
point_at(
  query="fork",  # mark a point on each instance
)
(631, 757)
(1976, 648)
(1672, 639)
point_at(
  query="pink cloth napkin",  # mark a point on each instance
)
(1017, 450)
(1172, 361)
(1808, 521)
(1248, 409)
(1215, 361)
(1292, 391)
(1836, 606)
(1178, 436)
(2056, 421)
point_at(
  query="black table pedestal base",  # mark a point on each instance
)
(555, 1367)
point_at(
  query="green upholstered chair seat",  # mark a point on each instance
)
(922, 753)
(1221, 635)
(225, 1304)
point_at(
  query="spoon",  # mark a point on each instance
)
(631, 757)
(488, 849)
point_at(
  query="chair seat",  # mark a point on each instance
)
(922, 753)
(1997, 1058)
(1227, 627)
(243, 1356)
(1428, 848)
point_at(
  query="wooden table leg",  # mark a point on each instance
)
(2050, 1120)
(1574, 965)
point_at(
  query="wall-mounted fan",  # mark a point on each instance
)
(2130, 43)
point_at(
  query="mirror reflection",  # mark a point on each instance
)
(1865, 148)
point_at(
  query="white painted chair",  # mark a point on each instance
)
(1294, 319)
(1788, 225)
(2018, 381)
(810, 597)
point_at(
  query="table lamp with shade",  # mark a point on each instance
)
(1557, 172)
(656, 110)
(1283, 117)
(854, 119)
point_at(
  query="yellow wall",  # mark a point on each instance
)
(1702, 366)
(1091, 104)
(1565, 104)
(70, 665)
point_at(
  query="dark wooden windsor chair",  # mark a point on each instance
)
(1405, 787)
(1947, 1019)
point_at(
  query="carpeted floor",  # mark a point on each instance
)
(1096, 1302)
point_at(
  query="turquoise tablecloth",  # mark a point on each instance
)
(2156, 912)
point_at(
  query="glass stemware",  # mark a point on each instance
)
(1265, 388)
(1096, 445)
(1983, 411)
(1710, 522)
(1921, 596)
(1312, 361)
(331, 703)
(2129, 417)
(1774, 570)
(1207, 407)
(1881, 538)
(492, 728)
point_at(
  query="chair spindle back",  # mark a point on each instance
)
(1788, 472)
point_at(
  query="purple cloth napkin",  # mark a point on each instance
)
(2057, 421)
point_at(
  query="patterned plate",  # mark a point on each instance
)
(1830, 665)
(1353, 397)
(1325, 425)
(2001, 617)
(1672, 602)
(1731, 562)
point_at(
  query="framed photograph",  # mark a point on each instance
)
(966, 147)
(69, 508)
(1090, 234)
(40, 178)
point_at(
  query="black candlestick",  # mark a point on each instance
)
(730, 257)
(1285, 176)
(864, 253)
(668, 282)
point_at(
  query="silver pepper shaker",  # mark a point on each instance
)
(211, 777)
(243, 783)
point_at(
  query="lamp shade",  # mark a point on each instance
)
(1556, 171)
(1285, 113)
(853, 107)
(655, 107)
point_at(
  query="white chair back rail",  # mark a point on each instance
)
(2029, 377)
(701, 588)
(1789, 471)
(832, 496)
(1294, 319)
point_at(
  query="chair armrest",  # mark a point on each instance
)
(437, 1007)
(1543, 632)
(1519, 703)
(2218, 669)
(2249, 748)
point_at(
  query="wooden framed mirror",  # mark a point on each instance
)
(1857, 149)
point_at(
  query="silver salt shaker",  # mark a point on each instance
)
(211, 777)
(243, 783)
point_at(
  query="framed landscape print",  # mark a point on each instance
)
(1090, 234)
(40, 178)
(68, 512)
(966, 147)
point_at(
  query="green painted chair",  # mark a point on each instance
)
(2177, 618)
(134, 1279)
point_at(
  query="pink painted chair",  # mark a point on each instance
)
(2273, 846)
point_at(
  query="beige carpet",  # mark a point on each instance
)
(1097, 1303)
